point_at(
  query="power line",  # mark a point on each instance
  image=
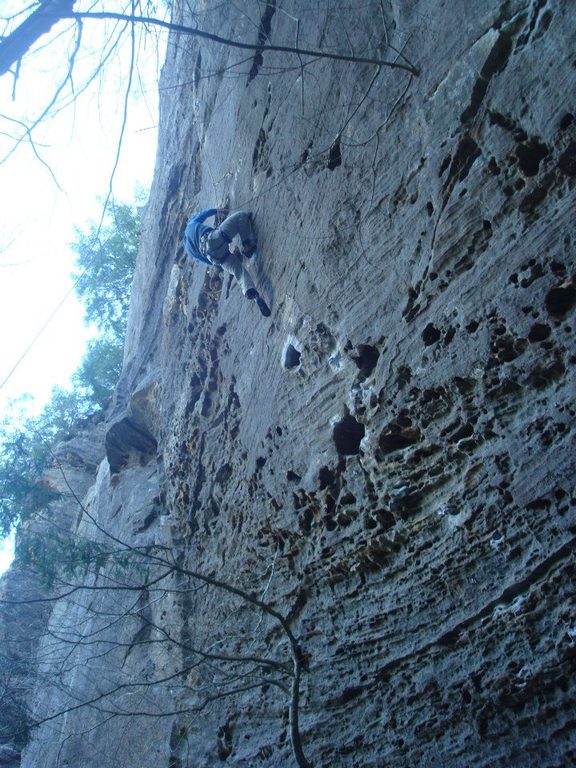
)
(40, 331)
(106, 201)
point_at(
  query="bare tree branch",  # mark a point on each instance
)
(33, 145)
(170, 566)
(245, 46)
(46, 110)
(15, 45)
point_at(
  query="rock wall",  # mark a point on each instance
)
(27, 597)
(385, 467)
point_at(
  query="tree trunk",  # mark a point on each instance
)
(13, 47)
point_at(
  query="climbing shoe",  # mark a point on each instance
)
(251, 294)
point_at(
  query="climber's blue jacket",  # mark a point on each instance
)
(194, 231)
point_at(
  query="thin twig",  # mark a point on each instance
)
(46, 110)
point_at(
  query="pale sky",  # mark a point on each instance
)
(6, 553)
(79, 144)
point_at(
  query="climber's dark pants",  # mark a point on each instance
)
(217, 250)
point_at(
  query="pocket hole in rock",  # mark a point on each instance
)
(430, 334)
(539, 332)
(561, 299)
(366, 358)
(348, 435)
(292, 356)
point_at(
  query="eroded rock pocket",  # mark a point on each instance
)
(348, 435)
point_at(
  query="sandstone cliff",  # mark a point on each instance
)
(385, 467)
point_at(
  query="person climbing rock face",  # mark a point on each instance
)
(211, 246)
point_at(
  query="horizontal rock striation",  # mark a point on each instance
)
(383, 470)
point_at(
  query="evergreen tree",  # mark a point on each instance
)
(99, 371)
(105, 263)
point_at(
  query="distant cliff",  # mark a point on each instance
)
(341, 536)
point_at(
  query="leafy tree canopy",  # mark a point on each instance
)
(105, 257)
(99, 371)
(25, 443)
(104, 266)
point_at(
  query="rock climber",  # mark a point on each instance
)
(211, 246)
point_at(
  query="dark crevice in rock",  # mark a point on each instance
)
(535, 197)
(502, 121)
(398, 435)
(260, 142)
(348, 694)
(198, 484)
(530, 156)
(335, 155)
(391, 441)
(366, 358)
(197, 69)
(466, 430)
(412, 307)
(544, 374)
(495, 63)
(539, 5)
(263, 35)
(261, 154)
(444, 165)
(466, 155)
(174, 184)
(224, 474)
(224, 741)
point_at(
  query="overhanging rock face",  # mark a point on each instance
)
(130, 435)
(384, 469)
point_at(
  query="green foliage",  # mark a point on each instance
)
(23, 458)
(105, 263)
(99, 371)
(21, 493)
(25, 445)
(59, 555)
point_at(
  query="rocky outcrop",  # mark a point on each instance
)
(26, 596)
(384, 469)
